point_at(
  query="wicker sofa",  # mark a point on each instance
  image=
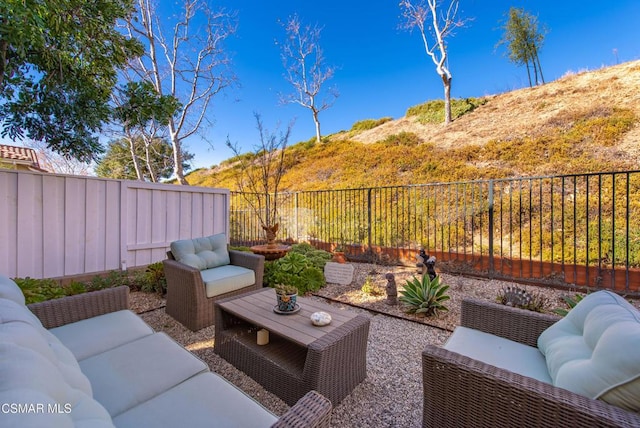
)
(201, 271)
(467, 384)
(87, 361)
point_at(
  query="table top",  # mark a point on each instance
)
(257, 308)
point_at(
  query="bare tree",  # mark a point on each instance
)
(442, 25)
(306, 71)
(185, 59)
(55, 162)
(261, 172)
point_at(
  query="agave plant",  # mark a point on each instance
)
(425, 296)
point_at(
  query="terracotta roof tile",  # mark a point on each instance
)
(23, 155)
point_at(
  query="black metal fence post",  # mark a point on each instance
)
(490, 226)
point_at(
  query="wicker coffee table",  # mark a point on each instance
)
(299, 356)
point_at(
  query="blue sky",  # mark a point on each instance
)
(383, 70)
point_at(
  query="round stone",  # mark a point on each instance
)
(320, 318)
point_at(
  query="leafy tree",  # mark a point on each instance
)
(118, 163)
(58, 66)
(306, 71)
(415, 14)
(523, 37)
(185, 58)
(143, 113)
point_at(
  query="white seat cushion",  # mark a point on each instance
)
(204, 401)
(499, 352)
(98, 334)
(135, 372)
(225, 279)
(595, 350)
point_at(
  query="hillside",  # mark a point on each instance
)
(583, 122)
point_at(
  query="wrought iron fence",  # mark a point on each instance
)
(570, 230)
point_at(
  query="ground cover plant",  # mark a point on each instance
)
(433, 111)
(302, 267)
(150, 280)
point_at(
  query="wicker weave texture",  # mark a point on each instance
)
(332, 365)
(187, 301)
(462, 392)
(505, 321)
(311, 411)
(58, 312)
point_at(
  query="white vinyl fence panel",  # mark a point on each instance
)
(54, 226)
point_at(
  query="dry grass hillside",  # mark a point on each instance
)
(582, 122)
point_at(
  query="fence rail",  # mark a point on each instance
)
(570, 230)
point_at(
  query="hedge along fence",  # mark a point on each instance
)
(572, 230)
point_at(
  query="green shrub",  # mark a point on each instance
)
(151, 280)
(402, 139)
(114, 278)
(365, 125)
(39, 290)
(154, 280)
(425, 296)
(433, 111)
(316, 257)
(296, 270)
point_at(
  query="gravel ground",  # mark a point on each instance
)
(391, 394)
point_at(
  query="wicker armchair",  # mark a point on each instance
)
(463, 392)
(187, 301)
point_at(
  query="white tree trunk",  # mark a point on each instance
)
(317, 122)
(134, 158)
(190, 64)
(446, 81)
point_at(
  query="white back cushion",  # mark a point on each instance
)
(595, 350)
(29, 379)
(10, 290)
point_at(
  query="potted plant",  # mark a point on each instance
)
(262, 170)
(338, 255)
(286, 296)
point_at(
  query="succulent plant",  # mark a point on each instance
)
(425, 295)
(293, 263)
(521, 298)
(571, 302)
(285, 290)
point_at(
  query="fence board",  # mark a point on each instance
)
(57, 225)
(29, 226)
(53, 240)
